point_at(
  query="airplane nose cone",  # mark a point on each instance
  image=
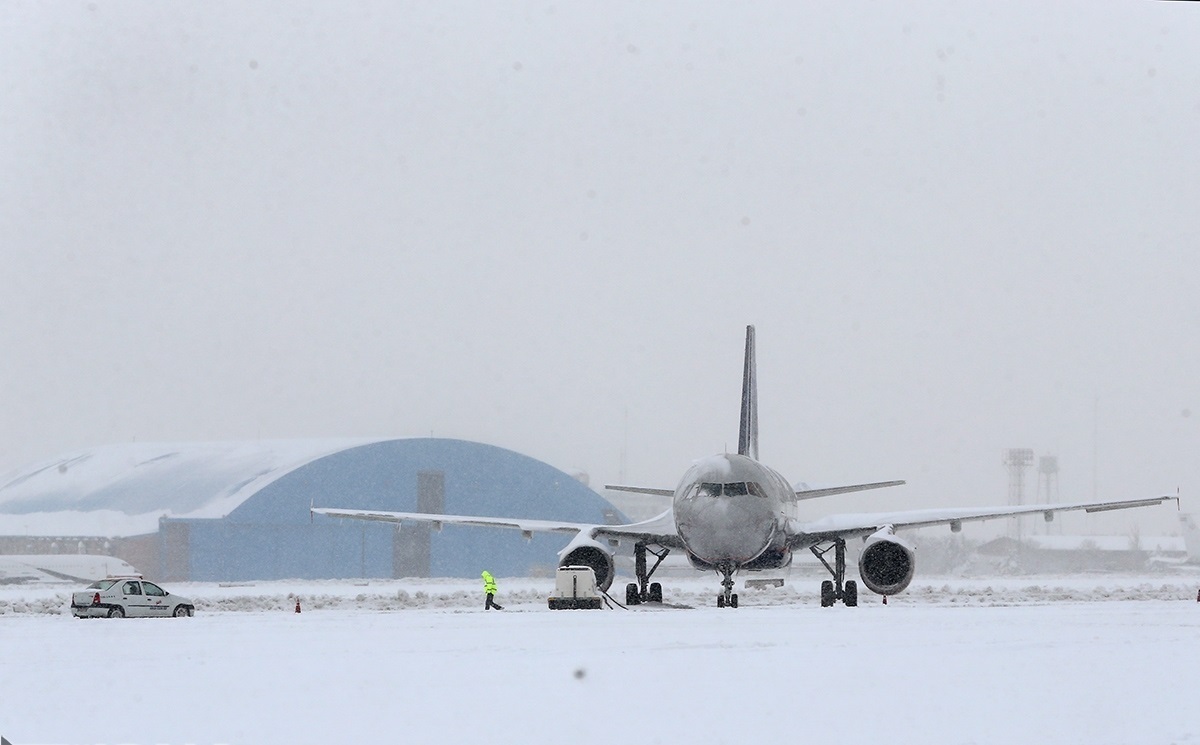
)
(718, 529)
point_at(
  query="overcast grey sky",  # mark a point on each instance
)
(958, 227)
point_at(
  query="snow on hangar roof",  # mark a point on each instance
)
(122, 490)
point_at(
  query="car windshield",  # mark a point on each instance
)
(103, 584)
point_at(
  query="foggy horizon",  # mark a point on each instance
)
(545, 227)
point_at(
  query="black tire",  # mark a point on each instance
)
(655, 592)
(182, 611)
(631, 594)
(827, 593)
(851, 594)
(720, 601)
(733, 600)
(116, 612)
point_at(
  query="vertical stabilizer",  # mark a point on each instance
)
(748, 433)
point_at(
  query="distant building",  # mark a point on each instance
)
(240, 511)
(1076, 553)
(1191, 535)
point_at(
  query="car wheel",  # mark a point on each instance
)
(116, 612)
(181, 611)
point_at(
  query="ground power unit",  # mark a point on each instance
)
(575, 589)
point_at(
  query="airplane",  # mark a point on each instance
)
(731, 513)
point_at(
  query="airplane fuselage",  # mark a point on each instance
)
(730, 511)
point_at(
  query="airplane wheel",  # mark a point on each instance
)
(655, 592)
(851, 598)
(720, 601)
(826, 594)
(733, 600)
(631, 594)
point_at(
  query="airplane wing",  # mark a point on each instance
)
(659, 530)
(830, 491)
(803, 533)
(525, 526)
(641, 490)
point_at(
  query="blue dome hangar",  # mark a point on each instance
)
(240, 510)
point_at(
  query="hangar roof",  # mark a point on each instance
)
(120, 490)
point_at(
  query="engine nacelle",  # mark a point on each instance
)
(886, 563)
(586, 551)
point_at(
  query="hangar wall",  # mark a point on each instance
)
(272, 535)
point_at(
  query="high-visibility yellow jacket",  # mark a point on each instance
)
(489, 583)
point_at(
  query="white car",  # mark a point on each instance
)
(118, 597)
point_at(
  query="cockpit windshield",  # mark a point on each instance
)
(733, 489)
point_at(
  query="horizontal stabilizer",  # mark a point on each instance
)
(813, 493)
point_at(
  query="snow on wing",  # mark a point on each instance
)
(525, 525)
(853, 525)
(658, 530)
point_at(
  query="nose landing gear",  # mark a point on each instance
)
(728, 598)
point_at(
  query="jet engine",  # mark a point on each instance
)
(588, 552)
(886, 563)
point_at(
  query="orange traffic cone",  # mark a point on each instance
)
(297, 605)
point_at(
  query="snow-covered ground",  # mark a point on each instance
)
(1095, 659)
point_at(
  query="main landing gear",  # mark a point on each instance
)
(840, 588)
(644, 591)
(727, 598)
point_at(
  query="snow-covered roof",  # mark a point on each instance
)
(73, 568)
(122, 490)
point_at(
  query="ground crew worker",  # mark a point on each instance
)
(489, 588)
